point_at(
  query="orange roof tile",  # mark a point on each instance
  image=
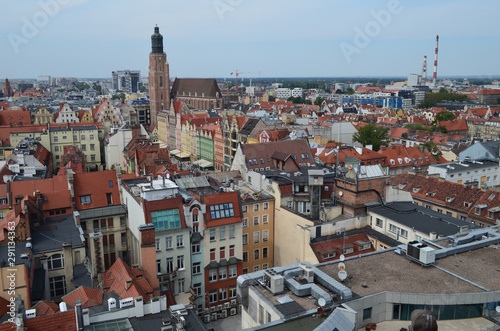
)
(96, 184)
(90, 297)
(115, 279)
(59, 321)
(45, 308)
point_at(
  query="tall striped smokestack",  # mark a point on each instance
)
(434, 77)
(424, 69)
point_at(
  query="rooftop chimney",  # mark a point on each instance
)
(434, 77)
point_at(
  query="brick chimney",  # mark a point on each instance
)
(148, 256)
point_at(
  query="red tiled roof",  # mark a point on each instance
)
(265, 151)
(90, 297)
(115, 279)
(222, 198)
(46, 308)
(96, 184)
(336, 245)
(55, 189)
(3, 306)
(489, 92)
(455, 125)
(59, 321)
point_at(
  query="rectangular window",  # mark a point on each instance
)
(223, 294)
(55, 261)
(256, 236)
(103, 223)
(265, 235)
(222, 210)
(180, 262)
(367, 313)
(197, 289)
(256, 254)
(158, 266)
(245, 222)
(180, 240)
(197, 268)
(256, 268)
(265, 266)
(168, 242)
(245, 256)
(212, 275)
(124, 237)
(92, 157)
(222, 273)
(180, 286)
(265, 219)
(379, 223)
(255, 207)
(123, 221)
(245, 239)
(222, 233)
(232, 292)
(231, 231)
(195, 248)
(157, 241)
(266, 205)
(212, 296)
(212, 254)
(245, 208)
(256, 220)
(222, 252)
(232, 271)
(57, 286)
(166, 219)
(91, 137)
(265, 253)
(85, 200)
(231, 251)
(212, 234)
(170, 264)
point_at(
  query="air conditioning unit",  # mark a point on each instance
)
(212, 309)
(233, 311)
(219, 315)
(206, 310)
(206, 318)
(226, 304)
(213, 317)
(234, 302)
(219, 307)
(224, 313)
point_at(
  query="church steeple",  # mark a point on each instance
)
(157, 41)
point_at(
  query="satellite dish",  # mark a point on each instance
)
(341, 193)
(342, 257)
(18, 321)
(497, 309)
(321, 302)
(342, 274)
(342, 266)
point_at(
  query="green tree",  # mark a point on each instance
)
(120, 96)
(318, 101)
(372, 135)
(444, 116)
(349, 91)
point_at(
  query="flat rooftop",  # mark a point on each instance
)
(388, 271)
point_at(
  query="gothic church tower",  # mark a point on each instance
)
(159, 79)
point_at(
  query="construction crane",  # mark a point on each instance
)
(237, 73)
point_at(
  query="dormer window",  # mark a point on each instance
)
(450, 199)
(416, 190)
(466, 204)
(393, 162)
(401, 186)
(480, 208)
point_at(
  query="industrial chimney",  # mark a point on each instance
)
(434, 77)
(424, 70)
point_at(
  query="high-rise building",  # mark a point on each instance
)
(159, 79)
(126, 80)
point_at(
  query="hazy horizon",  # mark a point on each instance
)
(83, 38)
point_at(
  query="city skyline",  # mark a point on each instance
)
(265, 39)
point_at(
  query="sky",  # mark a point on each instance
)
(273, 38)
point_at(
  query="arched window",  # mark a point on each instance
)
(55, 261)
